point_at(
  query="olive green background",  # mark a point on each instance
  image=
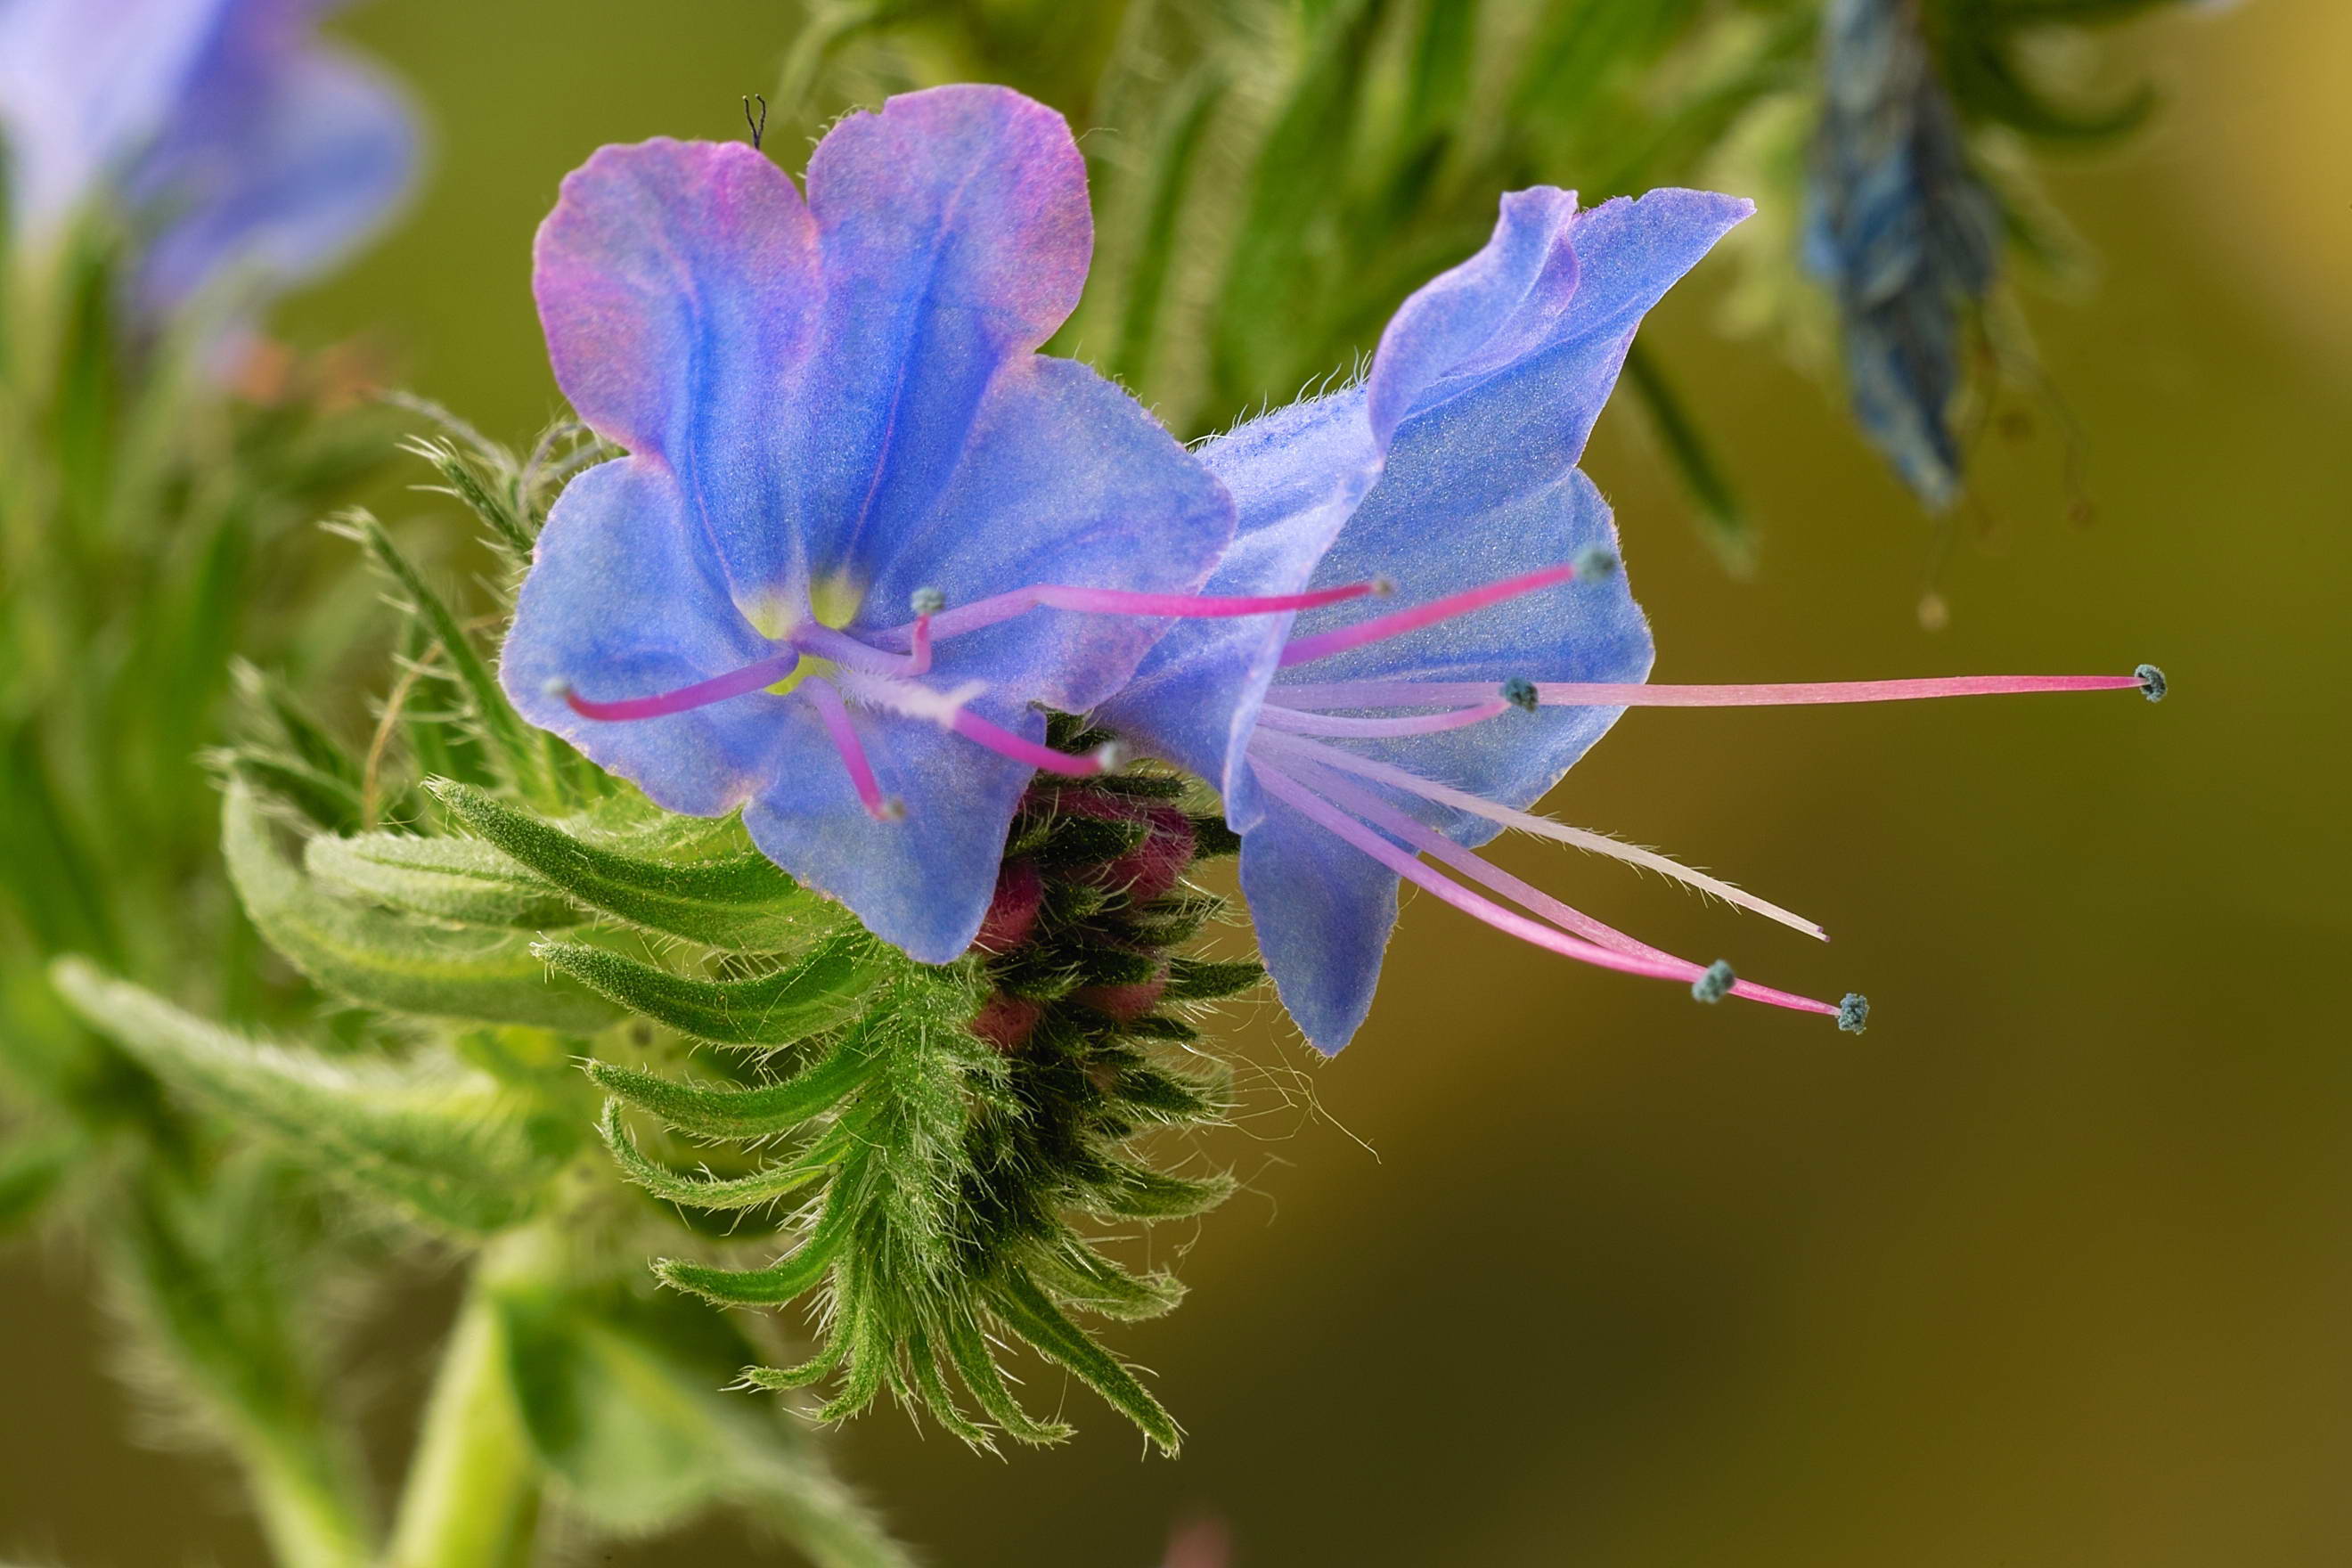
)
(1554, 1267)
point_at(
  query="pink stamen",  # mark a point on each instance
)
(919, 656)
(1316, 809)
(1323, 644)
(1594, 694)
(833, 714)
(988, 612)
(1044, 758)
(1293, 721)
(752, 677)
(1534, 899)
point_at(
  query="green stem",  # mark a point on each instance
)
(472, 1496)
(308, 1501)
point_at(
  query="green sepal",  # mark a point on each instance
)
(461, 880)
(788, 1278)
(389, 961)
(466, 482)
(726, 1192)
(711, 1111)
(1199, 980)
(446, 1147)
(1131, 1192)
(824, 990)
(741, 903)
(1028, 1311)
(525, 756)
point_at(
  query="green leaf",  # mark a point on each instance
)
(444, 1144)
(1199, 980)
(389, 961)
(741, 903)
(622, 1400)
(708, 1112)
(823, 990)
(31, 1170)
(461, 880)
(1721, 517)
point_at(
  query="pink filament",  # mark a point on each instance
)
(1004, 742)
(1323, 644)
(1316, 809)
(833, 714)
(702, 694)
(999, 607)
(1422, 836)
(1293, 721)
(1592, 694)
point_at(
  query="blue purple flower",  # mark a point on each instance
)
(239, 150)
(1349, 750)
(865, 533)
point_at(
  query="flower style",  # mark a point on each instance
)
(235, 143)
(851, 481)
(1348, 749)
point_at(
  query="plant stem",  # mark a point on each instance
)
(307, 1498)
(472, 1495)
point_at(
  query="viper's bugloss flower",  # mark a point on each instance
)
(1902, 231)
(230, 139)
(1348, 749)
(864, 532)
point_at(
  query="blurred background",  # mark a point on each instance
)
(2053, 1267)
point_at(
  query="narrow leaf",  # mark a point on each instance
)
(710, 1112)
(446, 1146)
(823, 990)
(461, 880)
(742, 903)
(389, 961)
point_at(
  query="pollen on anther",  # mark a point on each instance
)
(1853, 1013)
(555, 686)
(891, 810)
(1595, 564)
(1520, 692)
(926, 601)
(1715, 984)
(1382, 588)
(2151, 682)
(1110, 756)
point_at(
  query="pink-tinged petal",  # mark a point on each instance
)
(956, 238)
(679, 285)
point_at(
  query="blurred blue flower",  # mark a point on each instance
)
(851, 479)
(240, 149)
(1902, 231)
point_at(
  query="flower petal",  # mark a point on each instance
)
(85, 85)
(312, 157)
(1064, 479)
(1580, 631)
(956, 237)
(678, 282)
(625, 599)
(1323, 912)
(923, 881)
(1295, 476)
